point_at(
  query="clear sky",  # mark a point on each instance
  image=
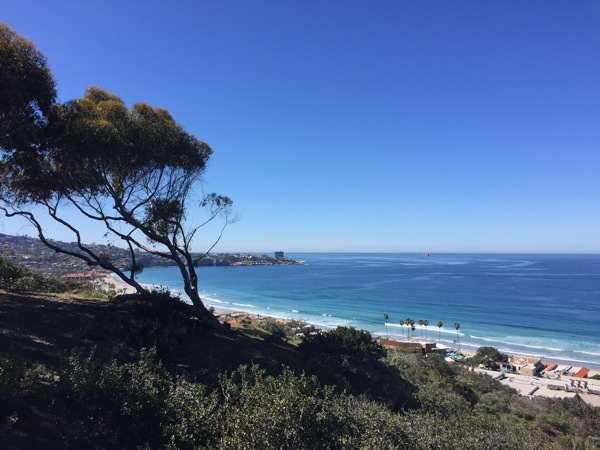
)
(386, 126)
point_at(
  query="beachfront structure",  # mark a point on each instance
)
(523, 365)
(87, 275)
(401, 346)
(412, 346)
(279, 256)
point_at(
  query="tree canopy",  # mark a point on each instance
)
(134, 170)
(27, 94)
(489, 357)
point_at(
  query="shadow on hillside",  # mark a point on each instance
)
(42, 329)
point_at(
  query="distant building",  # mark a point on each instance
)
(523, 365)
(279, 256)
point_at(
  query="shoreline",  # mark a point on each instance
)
(590, 365)
(347, 290)
(119, 286)
(451, 343)
(466, 349)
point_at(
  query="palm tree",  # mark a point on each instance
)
(439, 324)
(425, 322)
(408, 322)
(456, 327)
(385, 318)
(420, 322)
(402, 327)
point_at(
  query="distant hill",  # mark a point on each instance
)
(32, 253)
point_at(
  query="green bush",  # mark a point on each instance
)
(161, 321)
(353, 362)
(489, 357)
(468, 430)
(16, 277)
(271, 325)
(122, 406)
(363, 424)
(273, 412)
(194, 418)
(13, 377)
(296, 412)
(138, 404)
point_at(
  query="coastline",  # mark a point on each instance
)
(590, 365)
(466, 350)
(119, 286)
(509, 302)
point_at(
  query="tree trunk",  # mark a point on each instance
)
(211, 320)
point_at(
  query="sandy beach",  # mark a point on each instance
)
(109, 283)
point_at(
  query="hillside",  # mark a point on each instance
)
(74, 374)
(32, 253)
(79, 371)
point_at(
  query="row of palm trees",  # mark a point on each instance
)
(410, 323)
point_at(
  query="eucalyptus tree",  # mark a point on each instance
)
(27, 94)
(133, 170)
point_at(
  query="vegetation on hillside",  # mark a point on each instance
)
(152, 375)
(16, 277)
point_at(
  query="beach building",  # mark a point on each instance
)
(401, 346)
(440, 349)
(85, 276)
(581, 373)
(549, 366)
(523, 365)
(412, 346)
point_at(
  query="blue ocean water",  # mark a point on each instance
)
(542, 305)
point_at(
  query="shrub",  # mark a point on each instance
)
(119, 405)
(353, 362)
(13, 377)
(273, 412)
(16, 277)
(161, 321)
(363, 424)
(471, 430)
(489, 357)
(272, 326)
(194, 416)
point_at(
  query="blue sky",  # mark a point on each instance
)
(388, 126)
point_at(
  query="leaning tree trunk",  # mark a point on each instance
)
(190, 286)
(210, 318)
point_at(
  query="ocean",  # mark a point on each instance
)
(539, 305)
